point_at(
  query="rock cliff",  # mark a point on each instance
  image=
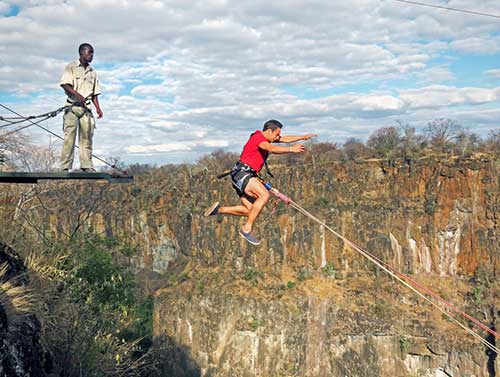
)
(303, 303)
(21, 353)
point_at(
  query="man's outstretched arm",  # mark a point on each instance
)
(292, 139)
(281, 149)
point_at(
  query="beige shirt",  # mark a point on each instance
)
(83, 80)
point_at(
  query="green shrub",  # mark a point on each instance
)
(328, 271)
(250, 274)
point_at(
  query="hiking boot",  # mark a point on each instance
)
(212, 210)
(250, 237)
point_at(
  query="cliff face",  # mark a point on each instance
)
(303, 303)
(21, 353)
(235, 335)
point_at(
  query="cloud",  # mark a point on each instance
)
(493, 72)
(175, 146)
(182, 78)
(477, 45)
(443, 96)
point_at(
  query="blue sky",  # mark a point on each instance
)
(183, 78)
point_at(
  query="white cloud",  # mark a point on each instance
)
(442, 96)
(179, 77)
(150, 90)
(493, 72)
(175, 146)
(477, 45)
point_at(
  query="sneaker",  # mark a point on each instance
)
(88, 170)
(250, 237)
(212, 210)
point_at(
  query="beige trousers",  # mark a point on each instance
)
(81, 119)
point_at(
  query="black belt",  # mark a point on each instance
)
(242, 166)
(238, 166)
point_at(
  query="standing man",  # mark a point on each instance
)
(251, 190)
(81, 85)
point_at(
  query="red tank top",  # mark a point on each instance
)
(252, 155)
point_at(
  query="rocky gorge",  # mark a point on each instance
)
(303, 303)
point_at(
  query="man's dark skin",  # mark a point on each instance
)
(86, 56)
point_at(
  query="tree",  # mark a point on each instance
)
(385, 142)
(354, 148)
(466, 143)
(323, 152)
(219, 160)
(442, 133)
(493, 142)
(412, 144)
(18, 153)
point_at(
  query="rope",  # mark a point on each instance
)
(10, 122)
(402, 278)
(449, 8)
(53, 114)
(22, 128)
(49, 114)
(46, 116)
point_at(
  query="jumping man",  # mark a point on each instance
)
(252, 192)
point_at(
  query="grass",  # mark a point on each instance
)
(16, 300)
(47, 268)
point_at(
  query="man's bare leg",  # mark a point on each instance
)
(239, 210)
(255, 189)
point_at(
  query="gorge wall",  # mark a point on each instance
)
(303, 303)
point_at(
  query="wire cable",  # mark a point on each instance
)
(22, 128)
(11, 123)
(51, 114)
(18, 119)
(449, 8)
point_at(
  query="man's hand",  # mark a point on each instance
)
(309, 136)
(99, 113)
(77, 97)
(297, 148)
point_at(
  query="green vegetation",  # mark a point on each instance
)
(93, 319)
(328, 271)
(250, 274)
(404, 346)
(254, 323)
(430, 204)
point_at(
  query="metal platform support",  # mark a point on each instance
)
(23, 177)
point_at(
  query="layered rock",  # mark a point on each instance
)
(306, 335)
(437, 219)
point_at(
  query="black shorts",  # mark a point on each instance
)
(240, 176)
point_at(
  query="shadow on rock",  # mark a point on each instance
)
(170, 359)
(21, 353)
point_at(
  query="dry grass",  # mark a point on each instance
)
(47, 268)
(16, 300)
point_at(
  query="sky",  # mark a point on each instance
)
(181, 79)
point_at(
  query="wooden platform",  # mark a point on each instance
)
(23, 177)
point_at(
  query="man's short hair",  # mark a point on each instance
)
(272, 125)
(84, 46)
